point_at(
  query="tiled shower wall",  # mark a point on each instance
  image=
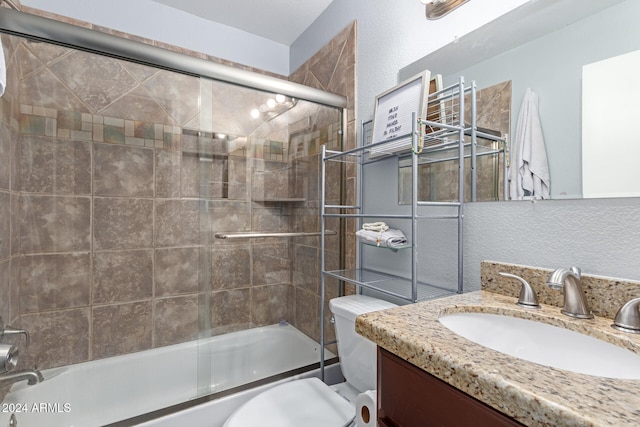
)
(333, 68)
(106, 231)
(8, 193)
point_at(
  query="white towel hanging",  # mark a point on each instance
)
(529, 170)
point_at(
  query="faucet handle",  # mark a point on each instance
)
(628, 317)
(576, 271)
(528, 298)
(8, 330)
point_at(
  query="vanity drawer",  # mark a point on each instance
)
(411, 397)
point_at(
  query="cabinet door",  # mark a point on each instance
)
(411, 397)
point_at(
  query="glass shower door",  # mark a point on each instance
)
(115, 179)
(262, 303)
(106, 232)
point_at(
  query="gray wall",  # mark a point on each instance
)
(602, 236)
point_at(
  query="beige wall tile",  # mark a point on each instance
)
(306, 262)
(179, 222)
(168, 171)
(307, 312)
(121, 329)
(5, 224)
(271, 264)
(78, 68)
(122, 276)
(227, 215)
(123, 171)
(176, 320)
(178, 94)
(122, 223)
(231, 267)
(55, 166)
(5, 289)
(58, 338)
(54, 281)
(177, 271)
(54, 224)
(5, 155)
(271, 304)
(230, 310)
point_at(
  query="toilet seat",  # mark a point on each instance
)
(307, 402)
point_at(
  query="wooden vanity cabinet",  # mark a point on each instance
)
(411, 397)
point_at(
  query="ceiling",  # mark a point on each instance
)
(281, 21)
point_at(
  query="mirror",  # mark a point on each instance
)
(544, 45)
(438, 167)
(610, 96)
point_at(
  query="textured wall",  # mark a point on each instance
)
(600, 236)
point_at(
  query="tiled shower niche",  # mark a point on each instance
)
(115, 178)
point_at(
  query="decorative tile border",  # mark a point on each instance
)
(50, 122)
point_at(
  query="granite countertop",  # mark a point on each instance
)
(533, 394)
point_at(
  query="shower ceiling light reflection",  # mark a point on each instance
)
(273, 108)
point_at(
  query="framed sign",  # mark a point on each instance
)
(393, 111)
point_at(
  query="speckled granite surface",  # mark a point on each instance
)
(605, 295)
(533, 394)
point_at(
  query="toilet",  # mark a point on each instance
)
(310, 402)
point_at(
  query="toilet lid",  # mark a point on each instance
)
(308, 402)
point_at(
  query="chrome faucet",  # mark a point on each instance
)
(6, 330)
(575, 303)
(528, 298)
(33, 376)
(628, 317)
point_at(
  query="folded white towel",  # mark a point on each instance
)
(389, 239)
(375, 226)
(3, 70)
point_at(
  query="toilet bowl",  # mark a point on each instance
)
(310, 402)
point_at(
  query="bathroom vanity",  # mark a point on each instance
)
(408, 396)
(426, 371)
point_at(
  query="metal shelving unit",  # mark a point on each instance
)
(444, 129)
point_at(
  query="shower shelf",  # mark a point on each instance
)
(445, 154)
(377, 271)
(389, 284)
(397, 274)
(393, 249)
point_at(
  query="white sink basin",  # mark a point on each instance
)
(545, 344)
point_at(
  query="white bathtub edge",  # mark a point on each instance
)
(216, 412)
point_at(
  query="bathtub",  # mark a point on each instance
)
(105, 391)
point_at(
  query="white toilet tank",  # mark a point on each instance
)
(357, 354)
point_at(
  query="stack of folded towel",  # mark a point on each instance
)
(379, 234)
